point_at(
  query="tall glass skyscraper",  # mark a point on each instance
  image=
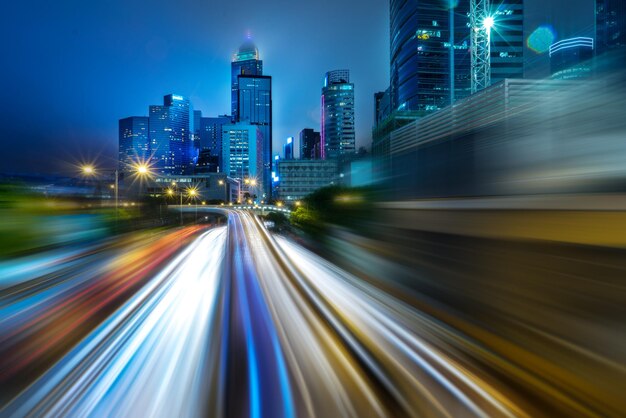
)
(242, 151)
(430, 54)
(254, 101)
(610, 25)
(170, 137)
(507, 40)
(245, 62)
(338, 137)
(134, 143)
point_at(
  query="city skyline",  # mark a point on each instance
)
(97, 70)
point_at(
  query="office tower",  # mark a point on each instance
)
(430, 57)
(338, 136)
(207, 162)
(242, 150)
(507, 40)
(610, 25)
(170, 138)
(245, 62)
(288, 149)
(571, 58)
(209, 134)
(254, 100)
(310, 144)
(134, 142)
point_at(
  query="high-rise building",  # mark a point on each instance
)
(209, 134)
(134, 142)
(254, 102)
(338, 137)
(242, 150)
(507, 40)
(245, 62)
(571, 58)
(171, 142)
(310, 144)
(610, 25)
(430, 57)
(288, 149)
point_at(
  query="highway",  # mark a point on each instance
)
(234, 321)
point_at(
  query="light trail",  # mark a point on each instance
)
(143, 360)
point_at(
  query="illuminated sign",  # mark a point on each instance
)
(175, 97)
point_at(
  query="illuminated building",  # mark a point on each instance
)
(242, 150)
(338, 135)
(571, 58)
(208, 132)
(134, 141)
(245, 62)
(255, 108)
(170, 138)
(288, 149)
(507, 40)
(610, 25)
(430, 60)
(310, 141)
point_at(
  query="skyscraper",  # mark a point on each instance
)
(254, 100)
(338, 135)
(507, 40)
(242, 150)
(245, 62)
(430, 57)
(170, 138)
(310, 144)
(134, 142)
(209, 134)
(610, 25)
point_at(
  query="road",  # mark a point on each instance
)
(233, 321)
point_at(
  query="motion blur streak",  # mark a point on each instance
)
(144, 359)
(428, 381)
(47, 311)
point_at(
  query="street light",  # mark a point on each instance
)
(488, 22)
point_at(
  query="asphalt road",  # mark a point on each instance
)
(235, 322)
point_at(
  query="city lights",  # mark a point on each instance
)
(488, 23)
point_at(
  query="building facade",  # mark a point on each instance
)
(507, 40)
(171, 141)
(572, 59)
(610, 25)
(255, 108)
(299, 178)
(288, 149)
(245, 61)
(209, 134)
(338, 138)
(134, 142)
(242, 150)
(310, 141)
(430, 54)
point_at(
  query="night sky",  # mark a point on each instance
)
(71, 69)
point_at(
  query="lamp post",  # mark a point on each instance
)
(89, 170)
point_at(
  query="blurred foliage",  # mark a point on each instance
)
(30, 220)
(280, 220)
(335, 205)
